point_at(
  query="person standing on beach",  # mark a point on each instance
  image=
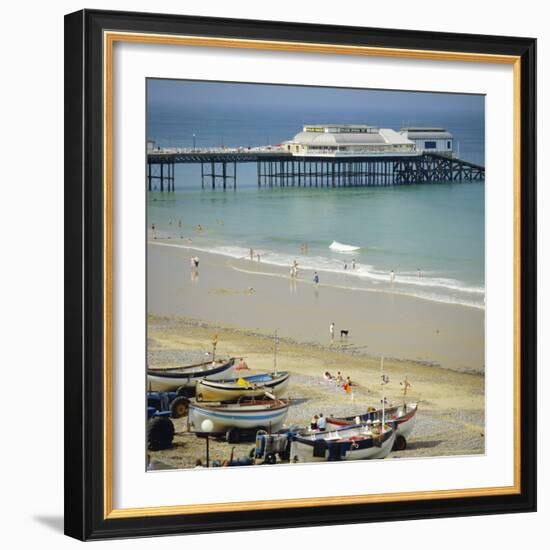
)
(418, 274)
(251, 253)
(392, 276)
(316, 278)
(353, 263)
(313, 423)
(345, 266)
(331, 330)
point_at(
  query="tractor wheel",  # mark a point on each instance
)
(160, 433)
(271, 458)
(179, 407)
(400, 443)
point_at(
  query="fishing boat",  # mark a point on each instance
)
(265, 414)
(403, 416)
(254, 385)
(174, 378)
(356, 442)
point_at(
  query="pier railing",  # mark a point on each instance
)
(278, 168)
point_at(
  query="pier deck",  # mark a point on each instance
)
(277, 168)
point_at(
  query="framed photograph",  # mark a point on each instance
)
(300, 275)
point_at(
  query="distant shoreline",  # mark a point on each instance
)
(401, 288)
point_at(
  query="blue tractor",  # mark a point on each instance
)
(161, 408)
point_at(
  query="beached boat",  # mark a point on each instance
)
(263, 414)
(186, 377)
(253, 385)
(402, 416)
(357, 442)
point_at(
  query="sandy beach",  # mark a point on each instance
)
(263, 298)
(451, 404)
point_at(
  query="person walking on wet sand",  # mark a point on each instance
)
(251, 253)
(316, 278)
(331, 330)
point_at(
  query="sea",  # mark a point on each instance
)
(431, 236)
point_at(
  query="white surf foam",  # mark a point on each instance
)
(341, 247)
(427, 286)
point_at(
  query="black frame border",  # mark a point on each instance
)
(84, 453)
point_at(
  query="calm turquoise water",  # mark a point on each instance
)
(437, 229)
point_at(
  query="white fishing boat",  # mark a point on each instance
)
(402, 416)
(252, 385)
(358, 442)
(268, 415)
(174, 378)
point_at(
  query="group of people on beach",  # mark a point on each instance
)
(339, 380)
(318, 423)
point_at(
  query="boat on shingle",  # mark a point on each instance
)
(252, 385)
(265, 414)
(356, 442)
(174, 378)
(402, 416)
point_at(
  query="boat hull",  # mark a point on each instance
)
(340, 450)
(170, 380)
(210, 390)
(404, 420)
(244, 418)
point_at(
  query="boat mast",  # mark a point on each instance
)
(382, 390)
(383, 381)
(275, 353)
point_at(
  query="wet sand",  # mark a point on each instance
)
(450, 420)
(263, 298)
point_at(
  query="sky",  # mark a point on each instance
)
(183, 113)
(222, 94)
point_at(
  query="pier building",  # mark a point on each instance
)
(430, 140)
(345, 140)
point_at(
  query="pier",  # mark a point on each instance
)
(279, 168)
